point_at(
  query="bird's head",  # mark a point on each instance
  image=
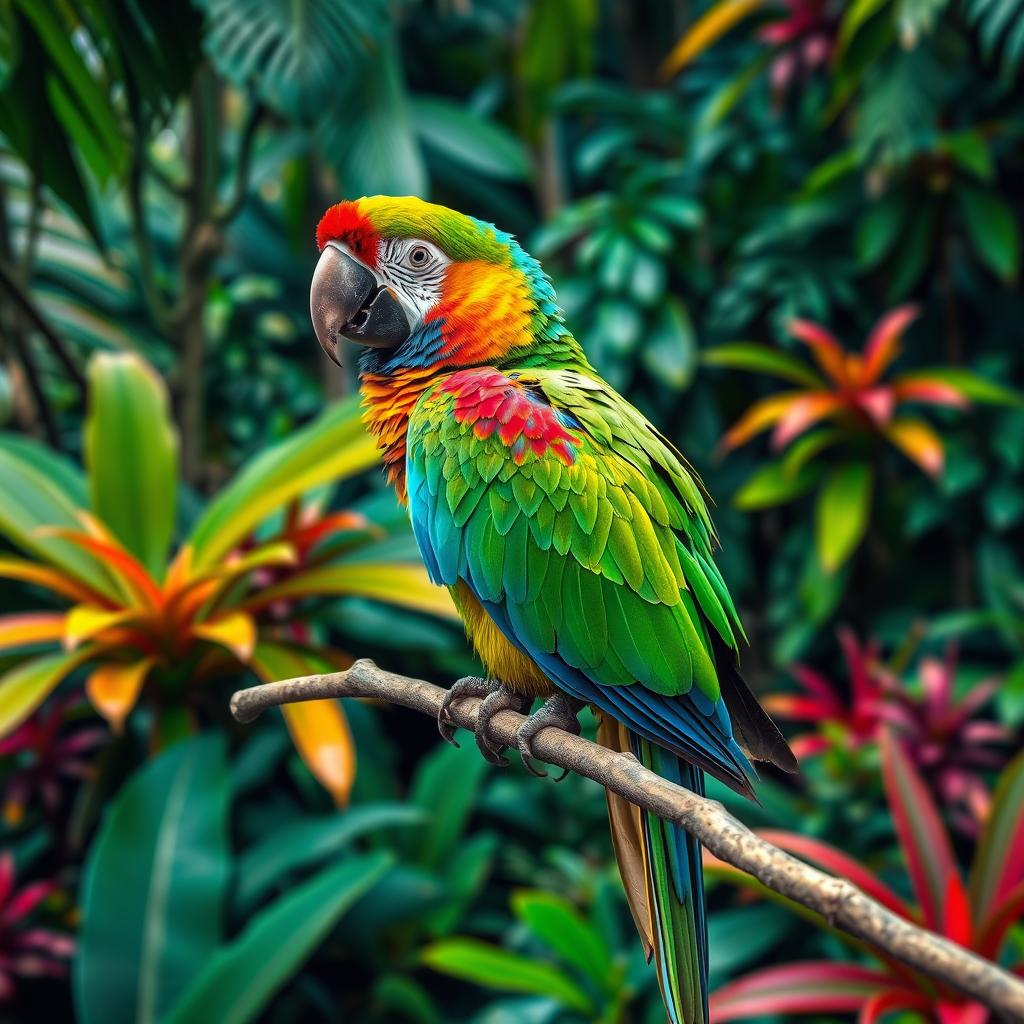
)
(421, 286)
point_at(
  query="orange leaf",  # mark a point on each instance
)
(827, 351)
(236, 631)
(760, 416)
(919, 442)
(114, 688)
(179, 570)
(322, 737)
(707, 30)
(43, 576)
(883, 344)
(803, 413)
(139, 583)
(31, 628)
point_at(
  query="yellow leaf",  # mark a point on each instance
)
(236, 631)
(399, 583)
(321, 735)
(86, 621)
(114, 688)
(919, 442)
(706, 31)
(760, 416)
(31, 628)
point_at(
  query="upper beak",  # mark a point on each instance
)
(346, 301)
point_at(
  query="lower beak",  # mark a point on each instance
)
(345, 301)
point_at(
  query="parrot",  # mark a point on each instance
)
(573, 536)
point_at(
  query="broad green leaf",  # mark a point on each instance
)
(154, 887)
(299, 54)
(855, 16)
(333, 447)
(500, 969)
(561, 927)
(34, 499)
(466, 871)
(241, 978)
(772, 484)
(309, 841)
(805, 447)
(478, 145)
(24, 687)
(369, 138)
(992, 228)
(841, 514)
(445, 787)
(60, 471)
(749, 355)
(134, 492)
(970, 150)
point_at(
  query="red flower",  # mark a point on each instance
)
(25, 951)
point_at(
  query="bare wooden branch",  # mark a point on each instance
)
(840, 902)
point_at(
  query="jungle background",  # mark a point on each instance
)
(188, 503)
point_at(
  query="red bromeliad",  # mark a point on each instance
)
(848, 390)
(977, 913)
(940, 733)
(27, 951)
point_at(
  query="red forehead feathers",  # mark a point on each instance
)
(344, 223)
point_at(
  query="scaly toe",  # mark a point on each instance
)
(558, 711)
(500, 699)
(462, 689)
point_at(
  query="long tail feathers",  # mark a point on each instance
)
(660, 866)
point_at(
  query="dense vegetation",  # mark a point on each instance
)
(720, 191)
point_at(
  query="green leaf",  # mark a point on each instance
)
(154, 885)
(992, 229)
(241, 978)
(805, 447)
(842, 510)
(878, 230)
(299, 54)
(134, 493)
(500, 969)
(478, 145)
(369, 137)
(749, 355)
(561, 927)
(996, 870)
(771, 485)
(856, 15)
(309, 841)
(670, 352)
(445, 787)
(24, 687)
(333, 447)
(466, 871)
(970, 151)
(37, 497)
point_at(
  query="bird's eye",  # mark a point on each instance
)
(418, 256)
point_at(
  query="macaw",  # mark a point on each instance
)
(574, 538)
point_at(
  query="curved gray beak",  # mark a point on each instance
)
(345, 301)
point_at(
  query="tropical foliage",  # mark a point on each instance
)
(722, 191)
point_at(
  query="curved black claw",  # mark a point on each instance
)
(499, 699)
(470, 686)
(559, 711)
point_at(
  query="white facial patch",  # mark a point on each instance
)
(414, 270)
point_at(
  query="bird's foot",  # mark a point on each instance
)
(461, 689)
(559, 711)
(497, 697)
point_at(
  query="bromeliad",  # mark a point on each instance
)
(573, 537)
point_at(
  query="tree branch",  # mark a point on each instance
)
(840, 902)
